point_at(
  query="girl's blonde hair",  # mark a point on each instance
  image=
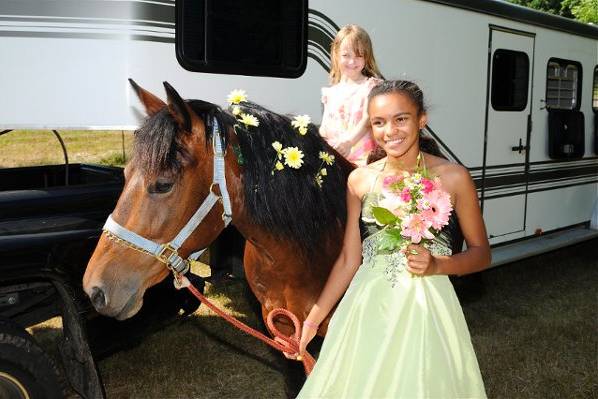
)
(362, 45)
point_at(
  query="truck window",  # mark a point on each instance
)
(510, 79)
(256, 38)
(563, 83)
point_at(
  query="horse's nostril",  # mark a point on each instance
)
(98, 298)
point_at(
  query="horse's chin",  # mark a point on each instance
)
(130, 309)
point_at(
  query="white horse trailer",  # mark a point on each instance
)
(513, 93)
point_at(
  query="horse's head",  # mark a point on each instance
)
(169, 177)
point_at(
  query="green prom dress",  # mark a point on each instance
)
(394, 335)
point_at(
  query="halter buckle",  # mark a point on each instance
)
(177, 280)
(166, 253)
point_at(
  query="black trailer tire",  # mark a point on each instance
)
(26, 371)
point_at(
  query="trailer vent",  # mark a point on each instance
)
(565, 134)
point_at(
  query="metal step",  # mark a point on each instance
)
(534, 246)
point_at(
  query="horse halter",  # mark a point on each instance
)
(168, 253)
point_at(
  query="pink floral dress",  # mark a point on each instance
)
(344, 104)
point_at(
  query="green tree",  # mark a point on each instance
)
(556, 7)
(584, 10)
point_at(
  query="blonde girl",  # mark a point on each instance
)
(352, 75)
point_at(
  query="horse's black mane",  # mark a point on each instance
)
(288, 203)
(158, 147)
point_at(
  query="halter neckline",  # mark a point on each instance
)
(420, 160)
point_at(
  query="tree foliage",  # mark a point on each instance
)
(582, 10)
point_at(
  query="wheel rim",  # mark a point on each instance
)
(10, 387)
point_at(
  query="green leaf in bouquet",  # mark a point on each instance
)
(396, 233)
(383, 215)
(391, 239)
(387, 243)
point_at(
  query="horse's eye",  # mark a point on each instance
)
(160, 187)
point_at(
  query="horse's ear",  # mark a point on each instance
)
(151, 103)
(179, 109)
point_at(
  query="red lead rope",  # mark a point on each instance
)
(284, 343)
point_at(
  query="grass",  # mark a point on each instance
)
(201, 357)
(41, 147)
(534, 328)
(533, 324)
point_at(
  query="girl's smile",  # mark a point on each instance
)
(395, 142)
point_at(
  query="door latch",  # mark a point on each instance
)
(520, 148)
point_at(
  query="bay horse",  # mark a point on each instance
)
(293, 225)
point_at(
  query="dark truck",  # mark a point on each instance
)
(50, 221)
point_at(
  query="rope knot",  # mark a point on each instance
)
(289, 344)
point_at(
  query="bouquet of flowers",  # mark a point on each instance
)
(413, 209)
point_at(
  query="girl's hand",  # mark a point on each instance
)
(420, 261)
(344, 147)
(308, 333)
(287, 355)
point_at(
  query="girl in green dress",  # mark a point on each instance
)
(399, 330)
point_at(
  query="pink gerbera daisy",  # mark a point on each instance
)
(440, 208)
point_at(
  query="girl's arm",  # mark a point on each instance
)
(344, 268)
(477, 255)
(361, 129)
(354, 135)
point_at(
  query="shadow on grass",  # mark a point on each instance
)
(533, 324)
(213, 330)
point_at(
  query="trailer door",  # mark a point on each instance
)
(508, 125)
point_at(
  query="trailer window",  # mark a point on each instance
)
(257, 37)
(595, 91)
(563, 84)
(510, 80)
